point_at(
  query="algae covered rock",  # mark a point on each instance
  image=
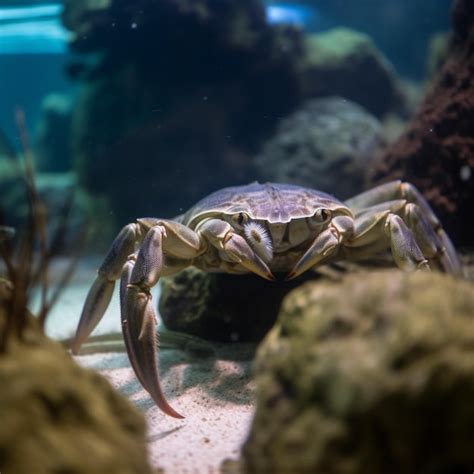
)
(438, 52)
(436, 151)
(222, 307)
(58, 417)
(373, 374)
(326, 144)
(345, 62)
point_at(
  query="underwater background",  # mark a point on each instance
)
(112, 110)
(135, 100)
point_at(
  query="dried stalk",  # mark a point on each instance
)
(25, 269)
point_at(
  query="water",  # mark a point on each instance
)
(33, 41)
(150, 106)
(33, 56)
(139, 109)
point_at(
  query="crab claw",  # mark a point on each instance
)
(233, 247)
(139, 329)
(237, 248)
(323, 246)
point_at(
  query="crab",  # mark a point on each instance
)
(265, 229)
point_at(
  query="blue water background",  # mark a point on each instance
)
(33, 43)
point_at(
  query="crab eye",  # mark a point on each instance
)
(322, 215)
(241, 218)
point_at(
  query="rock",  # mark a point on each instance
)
(179, 99)
(438, 52)
(467, 261)
(53, 136)
(346, 63)
(436, 151)
(401, 29)
(222, 307)
(373, 374)
(326, 144)
(59, 417)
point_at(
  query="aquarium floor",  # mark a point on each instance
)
(213, 390)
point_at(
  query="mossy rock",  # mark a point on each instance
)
(325, 144)
(347, 63)
(58, 417)
(336, 45)
(373, 374)
(438, 52)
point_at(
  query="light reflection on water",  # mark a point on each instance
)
(37, 29)
(32, 30)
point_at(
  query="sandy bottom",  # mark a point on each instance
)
(212, 388)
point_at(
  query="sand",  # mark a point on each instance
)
(212, 388)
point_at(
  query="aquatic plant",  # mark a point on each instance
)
(27, 259)
(37, 411)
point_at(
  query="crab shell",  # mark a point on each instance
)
(280, 221)
(273, 203)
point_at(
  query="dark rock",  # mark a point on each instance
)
(346, 63)
(179, 98)
(467, 261)
(53, 137)
(436, 152)
(373, 374)
(326, 144)
(222, 307)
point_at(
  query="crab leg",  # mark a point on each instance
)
(420, 218)
(405, 249)
(168, 247)
(381, 227)
(138, 314)
(126, 331)
(101, 291)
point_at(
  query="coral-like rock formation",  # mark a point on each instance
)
(374, 374)
(326, 144)
(438, 52)
(179, 97)
(222, 307)
(436, 153)
(346, 63)
(58, 417)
